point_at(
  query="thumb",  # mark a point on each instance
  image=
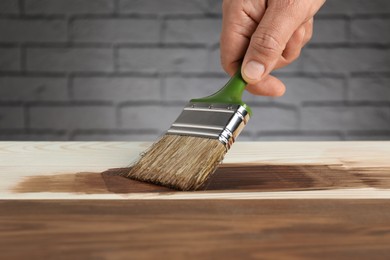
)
(268, 42)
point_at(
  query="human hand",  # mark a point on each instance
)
(262, 36)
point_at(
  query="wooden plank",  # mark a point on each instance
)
(313, 200)
(277, 170)
(214, 229)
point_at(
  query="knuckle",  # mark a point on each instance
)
(266, 44)
(301, 32)
(284, 4)
(308, 37)
(292, 57)
(288, 2)
(310, 22)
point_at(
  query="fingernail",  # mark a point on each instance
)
(253, 70)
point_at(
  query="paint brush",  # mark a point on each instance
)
(196, 143)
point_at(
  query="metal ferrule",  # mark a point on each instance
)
(216, 121)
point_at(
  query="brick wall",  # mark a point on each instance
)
(123, 69)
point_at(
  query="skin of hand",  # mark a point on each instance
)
(262, 36)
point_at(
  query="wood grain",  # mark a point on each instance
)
(213, 229)
(229, 177)
(294, 200)
(44, 170)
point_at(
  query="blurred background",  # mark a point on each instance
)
(124, 69)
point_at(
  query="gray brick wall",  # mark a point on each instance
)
(123, 69)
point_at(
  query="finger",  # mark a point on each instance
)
(279, 22)
(308, 31)
(237, 28)
(269, 41)
(293, 48)
(294, 45)
(269, 86)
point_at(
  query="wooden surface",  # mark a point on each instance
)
(194, 229)
(77, 170)
(291, 200)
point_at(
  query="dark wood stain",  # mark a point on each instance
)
(227, 177)
(200, 229)
(116, 183)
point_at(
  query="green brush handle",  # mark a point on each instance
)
(231, 93)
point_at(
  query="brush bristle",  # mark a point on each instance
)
(180, 162)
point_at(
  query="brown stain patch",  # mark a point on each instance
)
(116, 183)
(292, 177)
(227, 177)
(109, 181)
